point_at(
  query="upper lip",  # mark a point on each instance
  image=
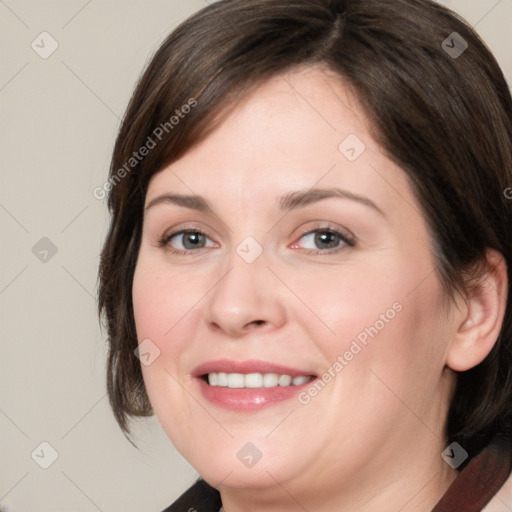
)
(250, 366)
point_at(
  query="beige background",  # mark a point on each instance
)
(58, 119)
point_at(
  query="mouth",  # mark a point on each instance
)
(254, 380)
(249, 385)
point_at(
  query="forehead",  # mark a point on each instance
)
(295, 130)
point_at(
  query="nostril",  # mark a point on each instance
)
(255, 323)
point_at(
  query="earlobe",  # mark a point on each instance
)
(486, 303)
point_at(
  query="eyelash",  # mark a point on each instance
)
(345, 240)
(164, 242)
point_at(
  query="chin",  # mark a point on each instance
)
(237, 462)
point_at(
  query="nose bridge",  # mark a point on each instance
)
(246, 264)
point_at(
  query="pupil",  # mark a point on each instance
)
(326, 240)
(193, 240)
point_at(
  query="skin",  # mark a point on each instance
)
(372, 438)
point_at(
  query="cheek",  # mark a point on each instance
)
(165, 310)
(162, 299)
(385, 312)
(405, 345)
(350, 302)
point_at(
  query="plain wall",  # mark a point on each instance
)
(59, 116)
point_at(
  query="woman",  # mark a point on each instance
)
(306, 274)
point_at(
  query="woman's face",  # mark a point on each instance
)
(293, 248)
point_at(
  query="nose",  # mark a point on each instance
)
(247, 298)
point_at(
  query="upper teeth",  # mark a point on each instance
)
(254, 380)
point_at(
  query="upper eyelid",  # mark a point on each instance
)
(187, 226)
(169, 236)
(326, 226)
(346, 240)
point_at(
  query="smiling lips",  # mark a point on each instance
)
(254, 380)
(249, 385)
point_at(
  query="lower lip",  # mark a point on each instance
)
(249, 399)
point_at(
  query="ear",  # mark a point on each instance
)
(485, 308)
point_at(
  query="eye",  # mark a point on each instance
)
(186, 240)
(323, 240)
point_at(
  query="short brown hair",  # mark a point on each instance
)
(445, 117)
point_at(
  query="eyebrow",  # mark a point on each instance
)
(188, 201)
(302, 198)
(289, 201)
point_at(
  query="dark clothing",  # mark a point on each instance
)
(480, 480)
(471, 491)
(201, 497)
